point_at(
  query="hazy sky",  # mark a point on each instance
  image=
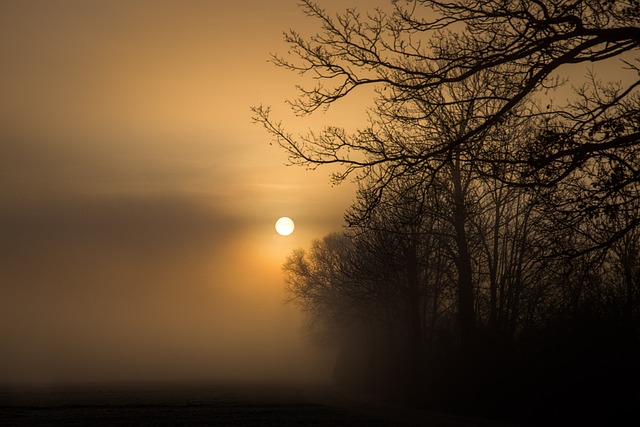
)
(137, 199)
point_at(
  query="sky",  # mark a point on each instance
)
(137, 199)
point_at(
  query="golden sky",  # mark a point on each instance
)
(137, 199)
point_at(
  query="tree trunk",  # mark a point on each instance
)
(416, 337)
(466, 308)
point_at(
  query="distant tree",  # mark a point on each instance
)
(405, 251)
(317, 280)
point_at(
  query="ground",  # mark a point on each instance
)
(205, 404)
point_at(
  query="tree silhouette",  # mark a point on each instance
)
(494, 237)
(518, 50)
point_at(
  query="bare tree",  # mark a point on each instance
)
(518, 50)
(316, 279)
(481, 198)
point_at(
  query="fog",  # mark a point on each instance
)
(137, 200)
(130, 255)
(141, 258)
(157, 287)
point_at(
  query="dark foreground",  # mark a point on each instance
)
(198, 404)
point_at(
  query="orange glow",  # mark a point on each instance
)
(137, 198)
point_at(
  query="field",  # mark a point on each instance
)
(200, 404)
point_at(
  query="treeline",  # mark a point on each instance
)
(550, 330)
(490, 262)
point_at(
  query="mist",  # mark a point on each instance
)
(137, 202)
(142, 287)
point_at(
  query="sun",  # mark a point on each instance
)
(284, 226)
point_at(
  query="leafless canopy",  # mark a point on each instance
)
(517, 48)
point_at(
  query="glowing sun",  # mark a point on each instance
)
(284, 226)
